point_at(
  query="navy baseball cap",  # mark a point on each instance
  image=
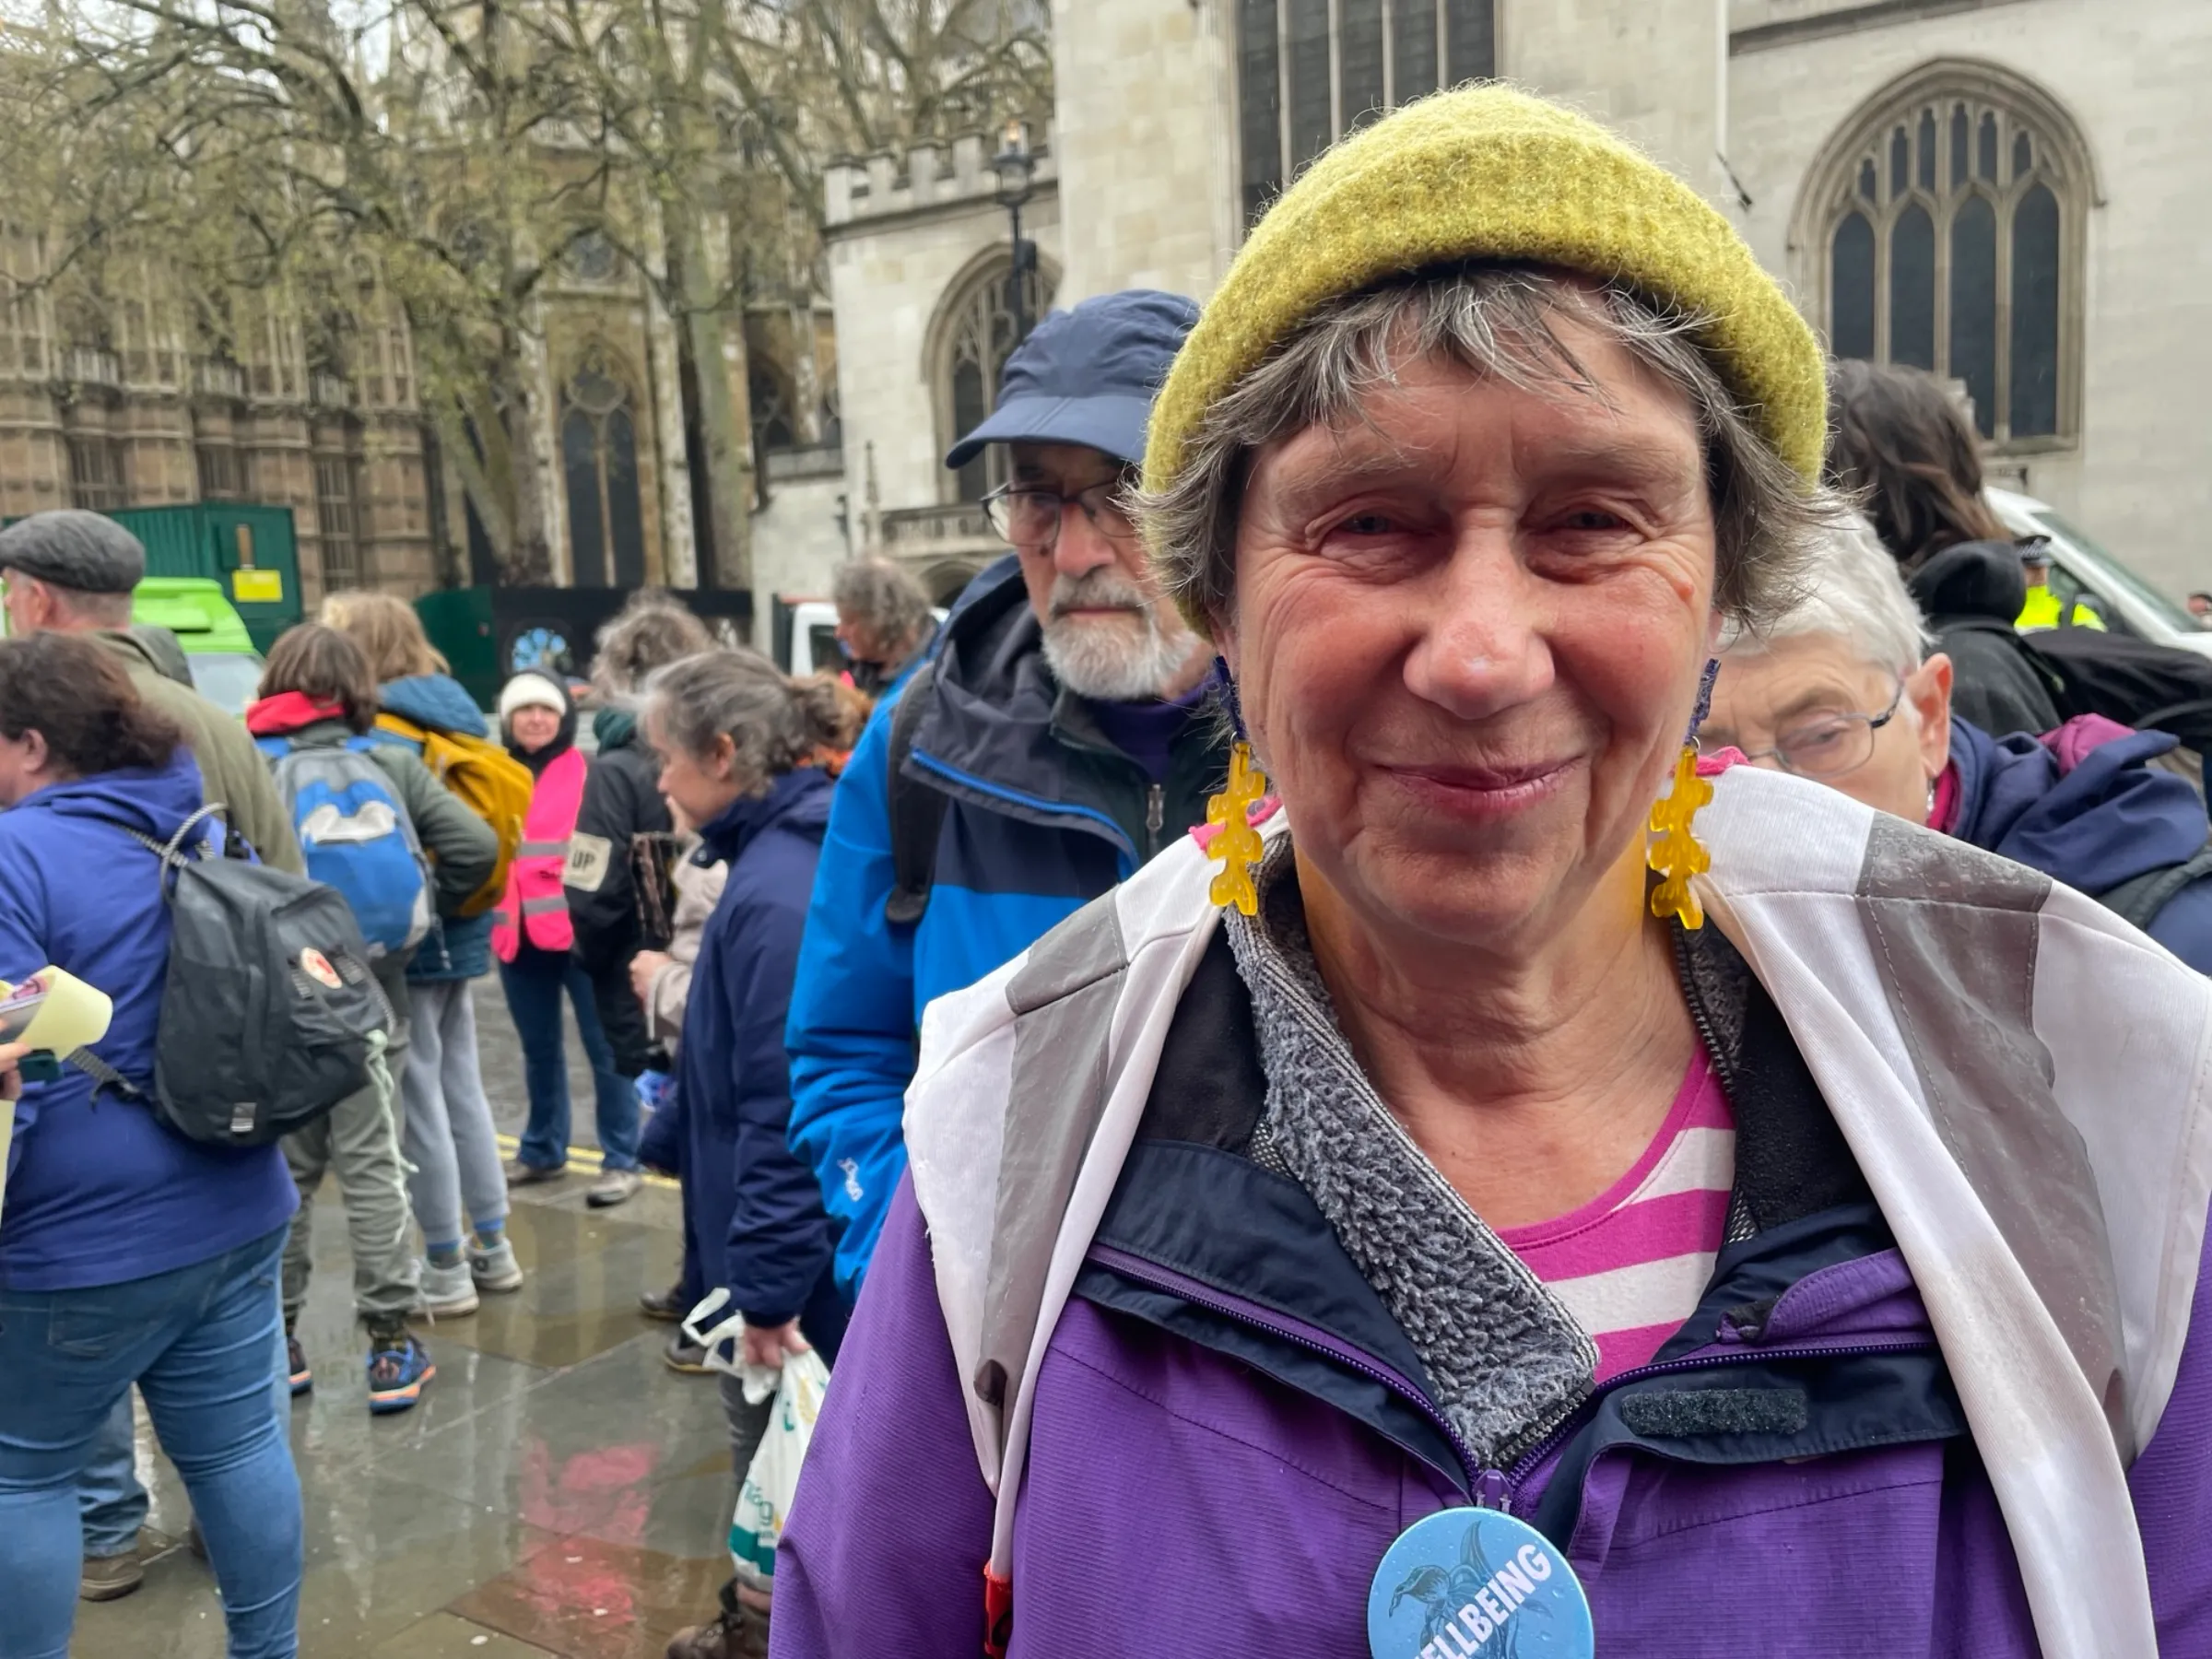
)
(1087, 375)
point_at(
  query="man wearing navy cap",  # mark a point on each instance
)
(1058, 738)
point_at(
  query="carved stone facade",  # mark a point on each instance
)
(2092, 297)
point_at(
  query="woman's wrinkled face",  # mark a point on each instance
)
(700, 788)
(534, 726)
(1813, 698)
(1467, 632)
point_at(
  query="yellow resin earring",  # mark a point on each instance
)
(1236, 845)
(1677, 854)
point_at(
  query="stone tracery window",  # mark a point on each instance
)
(1946, 224)
(1310, 71)
(599, 459)
(977, 337)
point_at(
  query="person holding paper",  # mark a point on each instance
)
(128, 1254)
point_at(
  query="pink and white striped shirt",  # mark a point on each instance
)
(1631, 1264)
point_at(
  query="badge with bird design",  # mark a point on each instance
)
(1476, 1583)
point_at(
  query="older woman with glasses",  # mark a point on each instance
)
(1842, 688)
(1518, 1195)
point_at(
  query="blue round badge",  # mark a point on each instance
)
(1470, 1582)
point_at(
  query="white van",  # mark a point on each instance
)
(814, 648)
(2080, 569)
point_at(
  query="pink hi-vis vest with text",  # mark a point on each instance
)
(534, 904)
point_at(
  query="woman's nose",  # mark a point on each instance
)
(1482, 647)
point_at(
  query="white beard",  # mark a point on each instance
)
(1109, 661)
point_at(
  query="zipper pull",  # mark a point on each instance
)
(1156, 816)
(1493, 1491)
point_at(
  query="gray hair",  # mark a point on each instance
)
(883, 599)
(1853, 591)
(651, 631)
(775, 723)
(1497, 322)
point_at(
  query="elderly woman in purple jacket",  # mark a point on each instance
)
(1521, 1189)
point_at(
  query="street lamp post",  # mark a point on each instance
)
(1017, 171)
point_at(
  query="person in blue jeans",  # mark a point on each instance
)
(532, 936)
(128, 1254)
(112, 1505)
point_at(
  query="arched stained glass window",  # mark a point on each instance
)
(1948, 220)
(1310, 71)
(977, 336)
(599, 465)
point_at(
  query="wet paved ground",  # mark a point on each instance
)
(559, 1490)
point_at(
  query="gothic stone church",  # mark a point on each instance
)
(2011, 193)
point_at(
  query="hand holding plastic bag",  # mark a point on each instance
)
(764, 1500)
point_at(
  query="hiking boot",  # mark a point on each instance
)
(399, 1367)
(110, 1578)
(529, 1175)
(683, 1355)
(496, 1270)
(669, 1305)
(612, 1187)
(738, 1631)
(298, 1376)
(447, 1292)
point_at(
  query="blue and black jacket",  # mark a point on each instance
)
(1044, 813)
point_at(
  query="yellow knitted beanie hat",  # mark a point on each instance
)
(1487, 172)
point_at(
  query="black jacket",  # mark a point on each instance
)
(1972, 592)
(621, 801)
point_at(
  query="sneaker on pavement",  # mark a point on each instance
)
(685, 1355)
(110, 1578)
(612, 1187)
(300, 1378)
(529, 1175)
(496, 1270)
(399, 1367)
(670, 1304)
(447, 1292)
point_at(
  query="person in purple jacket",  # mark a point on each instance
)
(1525, 1188)
(127, 1252)
(1841, 688)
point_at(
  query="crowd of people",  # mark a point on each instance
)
(1488, 944)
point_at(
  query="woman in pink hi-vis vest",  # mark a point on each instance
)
(531, 934)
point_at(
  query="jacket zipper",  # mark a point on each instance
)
(1492, 1487)
(1177, 1285)
(1098, 823)
(1509, 1482)
(1156, 816)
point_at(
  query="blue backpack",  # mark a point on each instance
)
(357, 838)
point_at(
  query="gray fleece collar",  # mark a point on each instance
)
(1505, 1359)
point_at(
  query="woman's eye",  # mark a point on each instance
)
(1592, 518)
(1366, 523)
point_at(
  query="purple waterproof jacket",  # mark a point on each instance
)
(1230, 1430)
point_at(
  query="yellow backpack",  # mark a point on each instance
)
(489, 781)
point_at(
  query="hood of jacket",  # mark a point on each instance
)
(436, 700)
(1973, 579)
(2081, 803)
(152, 800)
(799, 800)
(297, 717)
(613, 728)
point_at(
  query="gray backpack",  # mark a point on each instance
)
(270, 1014)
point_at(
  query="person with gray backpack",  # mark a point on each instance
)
(139, 1239)
(377, 827)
